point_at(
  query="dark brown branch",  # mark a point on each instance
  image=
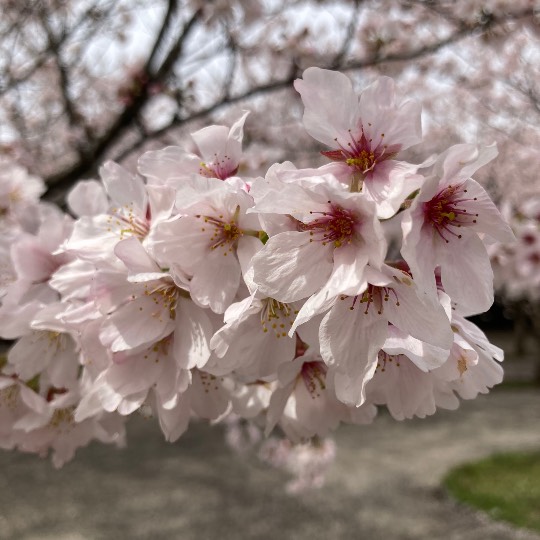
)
(347, 42)
(60, 182)
(232, 67)
(171, 8)
(44, 57)
(75, 119)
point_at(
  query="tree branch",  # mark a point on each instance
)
(60, 182)
(287, 82)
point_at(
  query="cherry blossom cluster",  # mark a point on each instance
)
(517, 265)
(189, 290)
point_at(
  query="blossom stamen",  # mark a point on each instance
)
(225, 233)
(63, 419)
(209, 382)
(359, 153)
(314, 376)
(444, 213)
(161, 350)
(219, 168)
(336, 226)
(165, 296)
(129, 223)
(9, 397)
(278, 316)
(384, 358)
(376, 296)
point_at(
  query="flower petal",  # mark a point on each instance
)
(291, 267)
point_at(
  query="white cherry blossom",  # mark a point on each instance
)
(305, 405)
(365, 133)
(445, 226)
(205, 241)
(335, 234)
(220, 154)
(353, 332)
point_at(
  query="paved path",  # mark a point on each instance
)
(384, 484)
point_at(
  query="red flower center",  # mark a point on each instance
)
(337, 225)
(359, 153)
(446, 213)
(314, 377)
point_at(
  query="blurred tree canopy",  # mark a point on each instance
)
(87, 80)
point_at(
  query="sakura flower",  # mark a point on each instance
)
(305, 405)
(254, 340)
(473, 366)
(207, 397)
(205, 242)
(443, 227)
(34, 255)
(283, 176)
(133, 209)
(125, 384)
(365, 133)
(404, 379)
(49, 424)
(50, 354)
(402, 386)
(19, 196)
(150, 370)
(335, 233)
(308, 462)
(220, 149)
(250, 400)
(240, 435)
(12, 407)
(145, 318)
(353, 332)
(414, 378)
(153, 334)
(517, 266)
(34, 260)
(151, 308)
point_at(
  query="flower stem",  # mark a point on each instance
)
(357, 182)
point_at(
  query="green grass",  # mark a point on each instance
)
(506, 486)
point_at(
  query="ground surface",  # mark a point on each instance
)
(384, 485)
